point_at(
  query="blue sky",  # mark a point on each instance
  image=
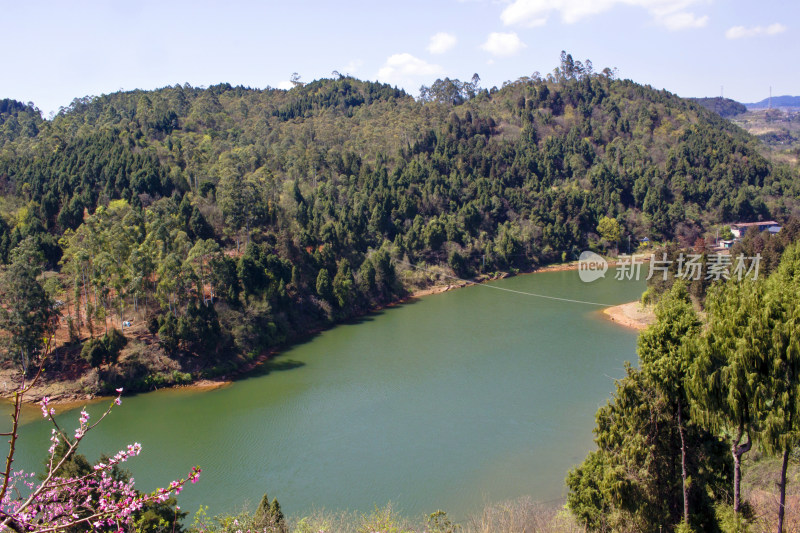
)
(55, 51)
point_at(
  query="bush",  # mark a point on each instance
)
(105, 349)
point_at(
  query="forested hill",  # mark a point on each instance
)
(724, 107)
(293, 207)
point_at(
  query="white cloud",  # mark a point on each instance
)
(683, 21)
(672, 14)
(740, 32)
(401, 69)
(285, 84)
(775, 29)
(503, 44)
(442, 42)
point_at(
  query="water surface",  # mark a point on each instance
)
(451, 402)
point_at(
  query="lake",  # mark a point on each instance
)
(450, 402)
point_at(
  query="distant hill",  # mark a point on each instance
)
(724, 107)
(777, 101)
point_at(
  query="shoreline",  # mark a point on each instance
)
(630, 315)
(72, 400)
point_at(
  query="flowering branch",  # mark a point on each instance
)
(58, 503)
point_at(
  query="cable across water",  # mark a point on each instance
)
(570, 300)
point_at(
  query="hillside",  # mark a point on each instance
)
(724, 107)
(776, 102)
(777, 129)
(232, 220)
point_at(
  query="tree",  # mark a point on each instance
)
(609, 229)
(27, 310)
(666, 362)
(653, 463)
(324, 289)
(724, 378)
(199, 226)
(780, 361)
(632, 482)
(295, 80)
(268, 516)
(343, 284)
(200, 256)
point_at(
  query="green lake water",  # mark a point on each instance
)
(450, 402)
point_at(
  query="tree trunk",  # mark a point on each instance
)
(738, 450)
(85, 292)
(782, 485)
(683, 467)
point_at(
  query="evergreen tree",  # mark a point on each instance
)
(780, 361)
(27, 310)
(324, 290)
(724, 378)
(666, 363)
(269, 517)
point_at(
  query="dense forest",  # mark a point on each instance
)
(220, 223)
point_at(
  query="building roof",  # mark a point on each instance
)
(748, 224)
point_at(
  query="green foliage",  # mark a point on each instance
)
(18, 121)
(324, 289)
(384, 520)
(255, 216)
(720, 388)
(160, 517)
(634, 477)
(154, 517)
(724, 107)
(268, 516)
(199, 329)
(438, 522)
(104, 350)
(609, 229)
(26, 309)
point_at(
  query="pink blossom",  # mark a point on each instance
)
(43, 402)
(60, 503)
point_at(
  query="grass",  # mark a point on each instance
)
(759, 487)
(514, 516)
